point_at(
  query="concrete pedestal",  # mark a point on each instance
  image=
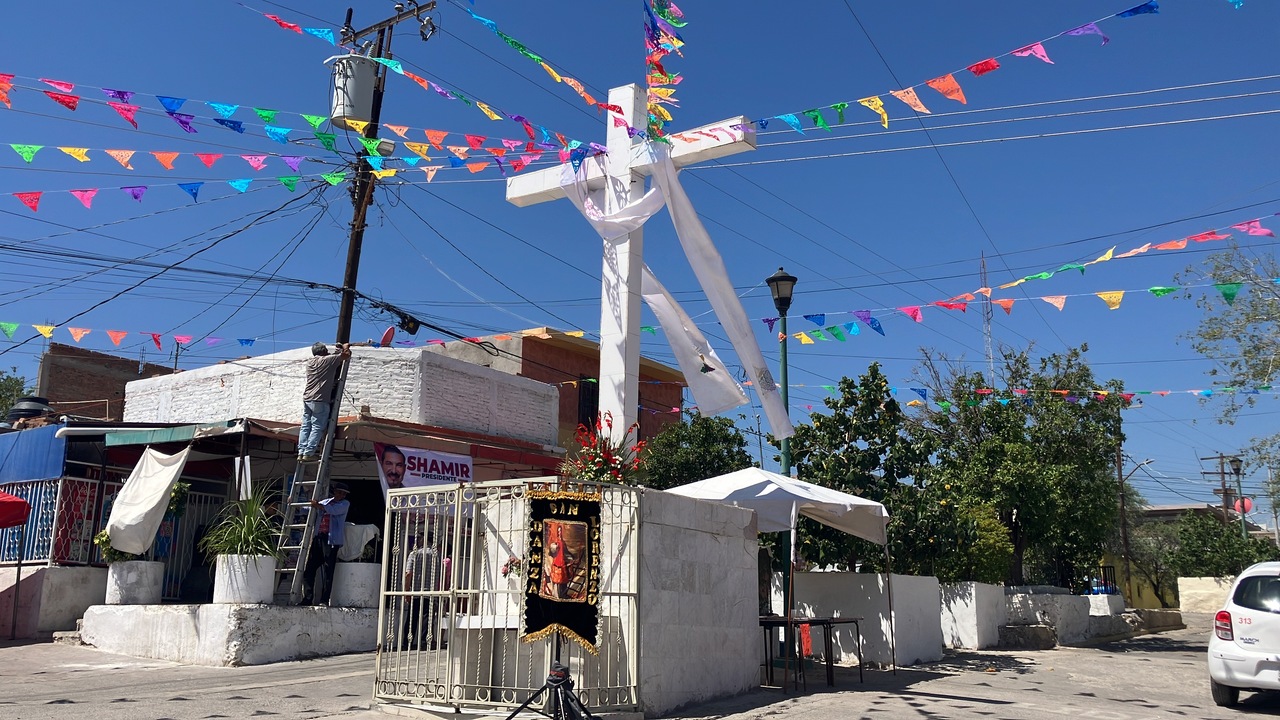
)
(227, 635)
(135, 582)
(244, 579)
(356, 584)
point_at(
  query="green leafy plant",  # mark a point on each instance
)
(243, 527)
(110, 554)
(178, 498)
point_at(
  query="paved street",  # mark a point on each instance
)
(1156, 676)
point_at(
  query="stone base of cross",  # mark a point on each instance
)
(622, 173)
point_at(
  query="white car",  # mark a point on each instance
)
(1244, 648)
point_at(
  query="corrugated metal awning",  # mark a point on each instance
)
(180, 433)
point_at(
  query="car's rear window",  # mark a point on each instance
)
(1258, 592)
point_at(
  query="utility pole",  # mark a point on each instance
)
(1222, 480)
(986, 323)
(362, 190)
(1275, 519)
(1124, 522)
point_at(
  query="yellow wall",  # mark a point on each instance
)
(1139, 593)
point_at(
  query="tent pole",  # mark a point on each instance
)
(893, 633)
(17, 582)
(788, 637)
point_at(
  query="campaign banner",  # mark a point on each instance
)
(400, 467)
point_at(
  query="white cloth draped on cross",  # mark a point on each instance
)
(714, 390)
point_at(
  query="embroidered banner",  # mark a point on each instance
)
(562, 590)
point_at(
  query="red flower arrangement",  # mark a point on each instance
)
(600, 458)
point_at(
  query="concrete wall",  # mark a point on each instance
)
(972, 614)
(558, 360)
(1203, 594)
(1068, 614)
(409, 385)
(228, 635)
(1105, 604)
(917, 622)
(698, 611)
(53, 598)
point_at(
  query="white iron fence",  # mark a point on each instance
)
(451, 617)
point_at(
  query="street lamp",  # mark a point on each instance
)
(781, 286)
(1236, 465)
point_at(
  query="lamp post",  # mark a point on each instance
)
(1236, 465)
(781, 286)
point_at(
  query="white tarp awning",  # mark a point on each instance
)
(776, 497)
(140, 505)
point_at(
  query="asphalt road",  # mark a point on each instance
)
(1154, 676)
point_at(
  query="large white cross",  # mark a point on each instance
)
(620, 274)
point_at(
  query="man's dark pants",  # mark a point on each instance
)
(322, 553)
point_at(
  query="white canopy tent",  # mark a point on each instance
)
(779, 501)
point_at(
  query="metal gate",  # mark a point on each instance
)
(450, 615)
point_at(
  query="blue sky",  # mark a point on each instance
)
(1048, 169)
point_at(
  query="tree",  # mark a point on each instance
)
(697, 448)
(1038, 446)
(12, 387)
(1240, 331)
(1207, 547)
(861, 447)
(1153, 548)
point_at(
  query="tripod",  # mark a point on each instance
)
(562, 703)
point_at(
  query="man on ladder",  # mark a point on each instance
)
(322, 375)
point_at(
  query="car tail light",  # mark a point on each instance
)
(1222, 625)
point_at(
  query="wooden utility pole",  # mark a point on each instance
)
(1222, 479)
(362, 191)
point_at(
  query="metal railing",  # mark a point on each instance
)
(450, 618)
(37, 537)
(67, 512)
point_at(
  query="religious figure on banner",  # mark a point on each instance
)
(564, 577)
(562, 589)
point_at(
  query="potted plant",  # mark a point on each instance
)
(244, 541)
(131, 580)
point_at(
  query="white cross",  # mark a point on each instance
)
(620, 274)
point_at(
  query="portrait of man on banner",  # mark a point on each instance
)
(400, 467)
(562, 589)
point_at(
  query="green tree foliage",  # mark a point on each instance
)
(1043, 459)
(1209, 548)
(1242, 336)
(697, 448)
(12, 387)
(860, 447)
(1153, 547)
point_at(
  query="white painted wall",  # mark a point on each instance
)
(972, 614)
(917, 618)
(409, 385)
(1203, 594)
(1105, 604)
(53, 598)
(1068, 614)
(699, 616)
(228, 635)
